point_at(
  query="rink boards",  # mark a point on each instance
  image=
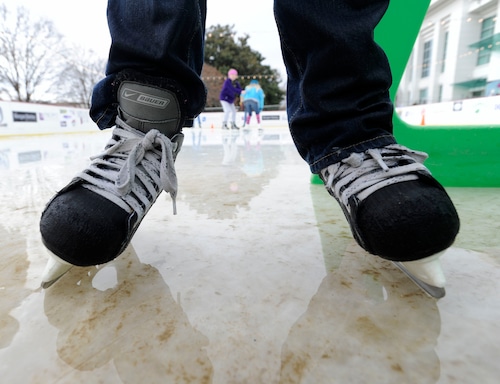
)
(460, 156)
(19, 119)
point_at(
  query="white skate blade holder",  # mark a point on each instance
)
(426, 273)
(54, 270)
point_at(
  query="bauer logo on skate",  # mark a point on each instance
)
(144, 98)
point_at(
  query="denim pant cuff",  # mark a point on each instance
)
(337, 154)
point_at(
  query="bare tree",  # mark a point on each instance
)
(28, 55)
(82, 70)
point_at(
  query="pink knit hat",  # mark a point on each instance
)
(232, 71)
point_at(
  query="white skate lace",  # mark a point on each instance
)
(133, 169)
(361, 174)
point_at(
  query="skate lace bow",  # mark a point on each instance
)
(363, 173)
(132, 168)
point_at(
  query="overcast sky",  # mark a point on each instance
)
(84, 22)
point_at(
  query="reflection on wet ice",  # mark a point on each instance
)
(256, 280)
(136, 325)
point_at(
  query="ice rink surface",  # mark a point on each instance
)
(256, 280)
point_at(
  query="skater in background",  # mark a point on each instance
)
(339, 114)
(197, 122)
(253, 101)
(231, 88)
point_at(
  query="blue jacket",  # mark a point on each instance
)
(230, 90)
(254, 92)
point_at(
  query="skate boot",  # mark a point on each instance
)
(92, 220)
(396, 209)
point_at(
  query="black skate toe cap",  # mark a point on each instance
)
(83, 228)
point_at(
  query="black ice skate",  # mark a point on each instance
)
(92, 220)
(396, 210)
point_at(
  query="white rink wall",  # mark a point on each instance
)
(19, 119)
(468, 112)
(268, 119)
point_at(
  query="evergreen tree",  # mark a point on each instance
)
(224, 50)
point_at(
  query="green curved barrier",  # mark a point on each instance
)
(465, 156)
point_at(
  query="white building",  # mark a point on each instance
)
(456, 54)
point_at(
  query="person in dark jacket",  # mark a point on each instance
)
(230, 90)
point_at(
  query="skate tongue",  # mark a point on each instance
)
(146, 107)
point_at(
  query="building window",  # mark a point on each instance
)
(487, 30)
(423, 96)
(443, 54)
(477, 93)
(488, 27)
(426, 59)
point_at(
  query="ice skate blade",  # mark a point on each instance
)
(54, 270)
(426, 274)
(431, 290)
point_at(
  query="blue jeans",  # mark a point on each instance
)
(251, 106)
(338, 77)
